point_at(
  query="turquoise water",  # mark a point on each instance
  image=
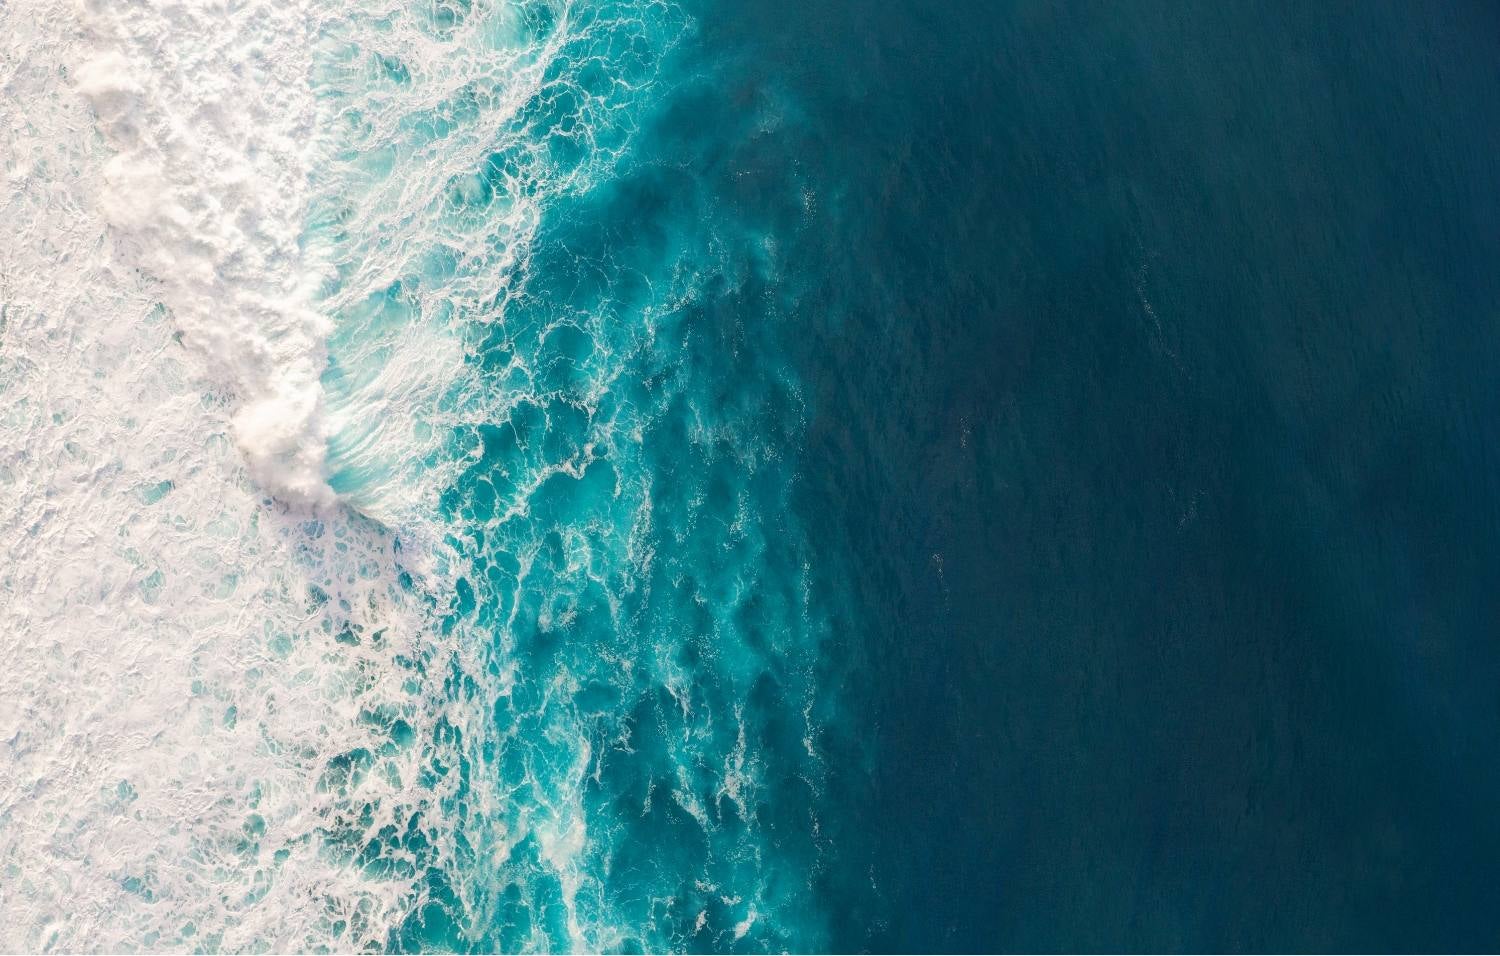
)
(633, 760)
(1009, 476)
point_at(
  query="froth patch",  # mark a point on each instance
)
(208, 699)
(282, 439)
(105, 81)
(208, 116)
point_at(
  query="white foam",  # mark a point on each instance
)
(207, 109)
(176, 697)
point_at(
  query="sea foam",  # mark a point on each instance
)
(208, 112)
(212, 705)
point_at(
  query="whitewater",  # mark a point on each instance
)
(311, 646)
(177, 567)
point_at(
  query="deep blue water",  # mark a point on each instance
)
(995, 476)
(1151, 356)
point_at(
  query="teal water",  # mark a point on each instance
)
(633, 758)
(1008, 476)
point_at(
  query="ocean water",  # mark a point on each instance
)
(672, 475)
(1150, 365)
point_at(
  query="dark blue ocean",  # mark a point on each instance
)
(956, 477)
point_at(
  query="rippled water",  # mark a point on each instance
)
(627, 677)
